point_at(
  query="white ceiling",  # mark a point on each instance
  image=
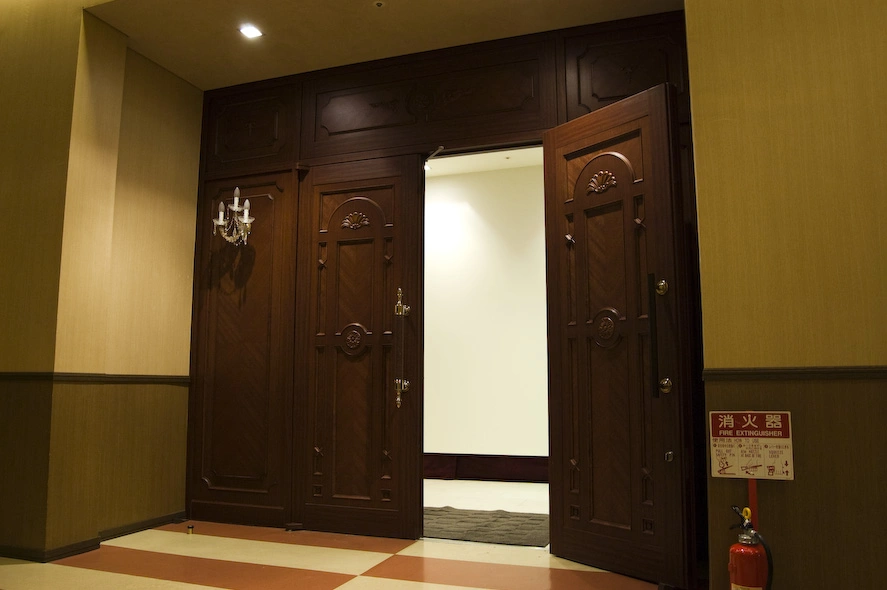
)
(485, 161)
(199, 41)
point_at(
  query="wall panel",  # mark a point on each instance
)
(789, 142)
(152, 257)
(836, 499)
(37, 102)
(499, 93)
(242, 374)
(612, 63)
(89, 200)
(25, 406)
(252, 128)
(116, 458)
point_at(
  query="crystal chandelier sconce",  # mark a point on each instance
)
(235, 223)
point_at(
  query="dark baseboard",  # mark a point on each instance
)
(20, 553)
(52, 554)
(89, 544)
(141, 526)
(486, 467)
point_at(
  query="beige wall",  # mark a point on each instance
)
(152, 259)
(789, 139)
(69, 228)
(37, 77)
(98, 184)
(84, 287)
(132, 182)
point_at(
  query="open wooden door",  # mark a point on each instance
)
(359, 440)
(621, 492)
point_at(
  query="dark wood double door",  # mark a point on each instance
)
(619, 463)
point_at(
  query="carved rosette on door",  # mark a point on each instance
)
(607, 332)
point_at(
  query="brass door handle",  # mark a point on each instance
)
(400, 309)
(654, 340)
(401, 385)
(656, 288)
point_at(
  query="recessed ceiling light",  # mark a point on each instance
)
(250, 31)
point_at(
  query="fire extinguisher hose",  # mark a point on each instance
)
(769, 560)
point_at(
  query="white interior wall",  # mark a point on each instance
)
(486, 389)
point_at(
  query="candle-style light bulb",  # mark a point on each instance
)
(221, 211)
(236, 196)
(246, 209)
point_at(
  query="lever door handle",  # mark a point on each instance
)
(400, 309)
(400, 387)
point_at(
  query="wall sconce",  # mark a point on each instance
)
(235, 228)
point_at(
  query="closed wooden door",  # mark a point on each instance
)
(620, 458)
(359, 444)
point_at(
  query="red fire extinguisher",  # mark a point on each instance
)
(751, 564)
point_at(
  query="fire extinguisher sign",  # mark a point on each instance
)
(751, 445)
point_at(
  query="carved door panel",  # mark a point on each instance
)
(619, 456)
(361, 442)
(240, 405)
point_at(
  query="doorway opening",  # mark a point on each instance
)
(485, 338)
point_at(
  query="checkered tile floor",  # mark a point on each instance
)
(246, 558)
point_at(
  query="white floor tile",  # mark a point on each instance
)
(343, 561)
(486, 553)
(25, 575)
